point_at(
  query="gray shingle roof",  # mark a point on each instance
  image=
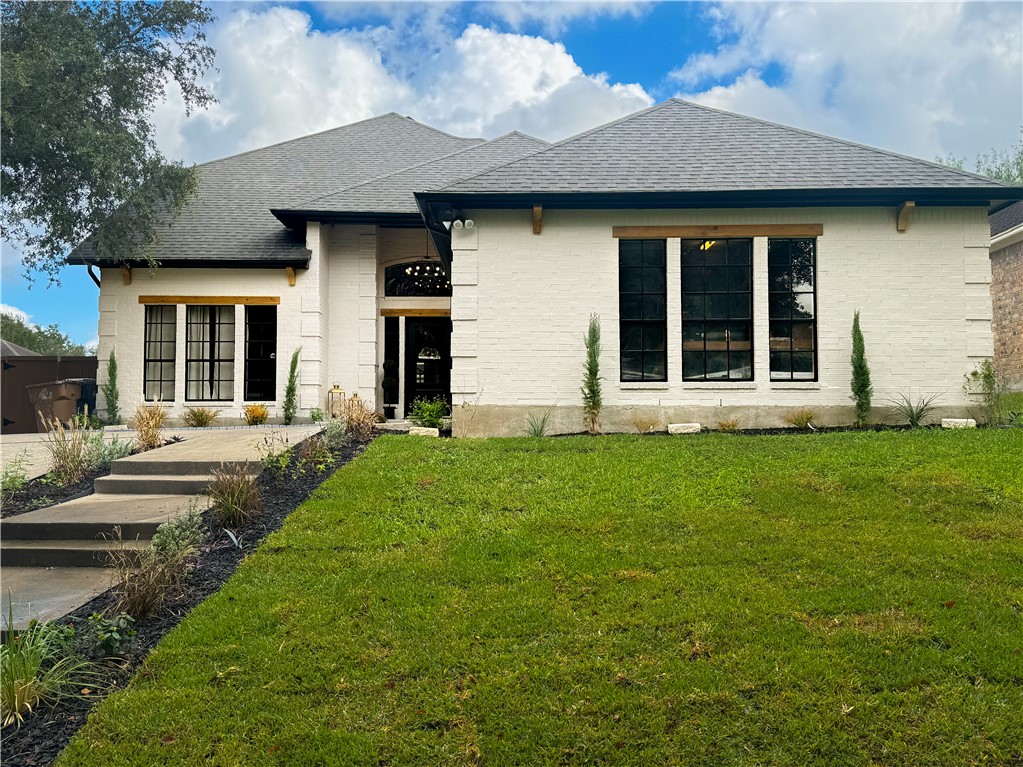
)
(9, 349)
(1006, 218)
(230, 220)
(394, 192)
(677, 146)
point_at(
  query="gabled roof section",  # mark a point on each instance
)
(229, 220)
(1006, 219)
(680, 147)
(394, 192)
(10, 349)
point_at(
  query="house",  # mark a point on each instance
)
(724, 255)
(1007, 292)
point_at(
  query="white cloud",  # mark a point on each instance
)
(278, 79)
(555, 16)
(920, 78)
(13, 311)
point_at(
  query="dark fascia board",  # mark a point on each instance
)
(992, 198)
(294, 218)
(203, 263)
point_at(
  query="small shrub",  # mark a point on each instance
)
(429, 412)
(86, 421)
(200, 417)
(537, 425)
(645, 424)
(99, 453)
(37, 666)
(802, 418)
(591, 388)
(315, 454)
(106, 637)
(148, 424)
(994, 392)
(359, 420)
(914, 413)
(181, 536)
(256, 414)
(14, 475)
(335, 433)
(234, 495)
(67, 448)
(862, 389)
(275, 455)
(316, 415)
(291, 390)
(730, 425)
(110, 391)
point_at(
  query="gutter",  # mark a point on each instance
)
(1008, 237)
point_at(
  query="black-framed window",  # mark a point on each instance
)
(260, 353)
(642, 309)
(717, 310)
(209, 353)
(792, 308)
(159, 354)
(417, 278)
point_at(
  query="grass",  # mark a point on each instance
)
(841, 599)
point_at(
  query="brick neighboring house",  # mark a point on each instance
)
(1007, 292)
(725, 256)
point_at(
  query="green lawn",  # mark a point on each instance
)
(838, 599)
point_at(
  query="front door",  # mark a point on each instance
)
(427, 359)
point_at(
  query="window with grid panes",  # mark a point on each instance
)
(792, 280)
(717, 310)
(159, 353)
(642, 304)
(209, 353)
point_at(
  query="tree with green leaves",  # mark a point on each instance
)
(78, 85)
(862, 389)
(1004, 165)
(48, 341)
(591, 388)
(111, 394)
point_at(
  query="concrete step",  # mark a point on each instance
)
(153, 484)
(67, 553)
(142, 466)
(14, 530)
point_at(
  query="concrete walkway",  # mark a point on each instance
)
(53, 558)
(32, 448)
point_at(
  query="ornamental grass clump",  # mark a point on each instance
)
(359, 420)
(234, 495)
(37, 666)
(801, 418)
(914, 413)
(67, 446)
(200, 417)
(148, 424)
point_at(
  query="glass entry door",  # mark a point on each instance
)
(427, 359)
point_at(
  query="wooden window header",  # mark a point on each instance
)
(729, 230)
(415, 312)
(212, 300)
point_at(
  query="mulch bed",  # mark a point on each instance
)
(40, 492)
(43, 735)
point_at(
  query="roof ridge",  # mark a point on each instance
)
(837, 140)
(563, 142)
(419, 165)
(331, 130)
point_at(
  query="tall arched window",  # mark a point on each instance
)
(417, 278)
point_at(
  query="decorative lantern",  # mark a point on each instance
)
(336, 401)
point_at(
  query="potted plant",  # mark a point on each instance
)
(390, 386)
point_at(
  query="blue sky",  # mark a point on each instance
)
(922, 78)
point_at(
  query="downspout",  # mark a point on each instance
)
(88, 268)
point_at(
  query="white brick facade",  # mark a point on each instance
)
(521, 303)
